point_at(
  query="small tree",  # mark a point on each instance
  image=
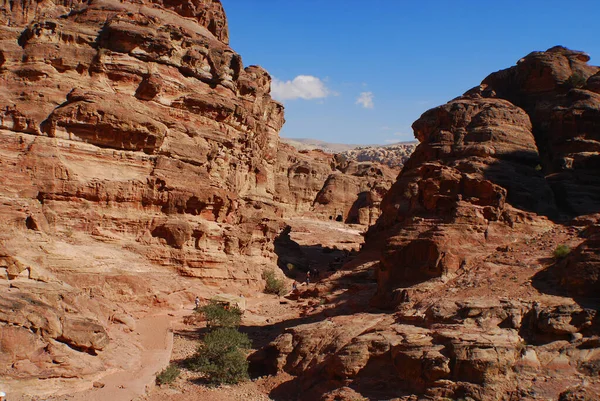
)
(273, 285)
(222, 356)
(219, 315)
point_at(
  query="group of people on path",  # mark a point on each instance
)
(311, 273)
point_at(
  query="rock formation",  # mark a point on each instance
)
(134, 142)
(138, 153)
(394, 156)
(330, 187)
(520, 146)
(481, 309)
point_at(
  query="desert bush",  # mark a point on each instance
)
(222, 356)
(561, 251)
(168, 375)
(576, 81)
(273, 285)
(219, 315)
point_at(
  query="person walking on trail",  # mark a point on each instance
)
(308, 277)
(197, 302)
(294, 286)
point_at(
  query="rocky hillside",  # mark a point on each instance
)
(140, 163)
(393, 156)
(485, 255)
(329, 187)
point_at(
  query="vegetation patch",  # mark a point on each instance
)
(219, 315)
(222, 356)
(273, 285)
(168, 375)
(561, 251)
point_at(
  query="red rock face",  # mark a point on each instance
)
(464, 255)
(133, 140)
(522, 145)
(460, 191)
(330, 187)
(552, 87)
(139, 151)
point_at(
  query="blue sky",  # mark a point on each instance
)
(361, 71)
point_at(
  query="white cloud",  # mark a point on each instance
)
(366, 100)
(302, 87)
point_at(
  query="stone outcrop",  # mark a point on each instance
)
(330, 187)
(552, 88)
(520, 146)
(132, 136)
(471, 184)
(482, 308)
(140, 160)
(471, 348)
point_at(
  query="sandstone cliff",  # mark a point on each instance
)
(480, 307)
(140, 161)
(136, 148)
(330, 187)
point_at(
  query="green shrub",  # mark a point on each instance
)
(273, 285)
(222, 356)
(220, 315)
(561, 251)
(168, 375)
(576, 81)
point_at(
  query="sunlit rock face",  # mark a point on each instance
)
(486, 256)
(140, 158)
(135, 145)
(492, 165)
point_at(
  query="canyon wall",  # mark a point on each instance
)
(493, 165)
(140, 162)
(137, 150)
(485, 258)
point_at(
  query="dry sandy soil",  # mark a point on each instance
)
(265, 317)
(165, 338)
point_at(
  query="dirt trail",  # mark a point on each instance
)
(156, 345)
(157, 342)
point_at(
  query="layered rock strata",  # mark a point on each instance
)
(136, 148)
(483, 308)
(493, 163)
(330, 187)
(138, 153)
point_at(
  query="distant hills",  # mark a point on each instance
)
(394, 155)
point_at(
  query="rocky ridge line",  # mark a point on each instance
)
(479, 307)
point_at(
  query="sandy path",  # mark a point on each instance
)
(156, 344)
(157, 341)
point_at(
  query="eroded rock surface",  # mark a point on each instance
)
(480, 305)
(331, 187)
(140, 162)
